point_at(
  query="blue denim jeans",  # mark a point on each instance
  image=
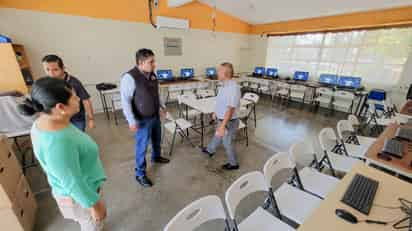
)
(149, 129)
(80, 124)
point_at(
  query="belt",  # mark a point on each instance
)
(229, 120)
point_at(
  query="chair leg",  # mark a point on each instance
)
(173, 143)
(114, 114)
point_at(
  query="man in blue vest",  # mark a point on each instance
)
(141, 104)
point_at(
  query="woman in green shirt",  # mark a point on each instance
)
(68, 156)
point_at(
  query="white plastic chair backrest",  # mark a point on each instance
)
(186, 96)
(206, 93)
(245, 185)
(296, 87)
(195, 214)
(327, 139)
(275, 164)
(344, 126)
(325, 91)
(344, 95)
(300, 150)
(250, 96)
(354, 120)
(283, 85)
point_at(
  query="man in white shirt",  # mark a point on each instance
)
(226, 112)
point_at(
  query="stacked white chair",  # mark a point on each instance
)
(298, 92)
(324, 96)
(259, 219)
(309, 178)
(343, 99)
(349, 140)
(116, 105)
(264, 86)
(254, 84)
(175, 127)
(205, 209)
(330, 146)
(291, 202)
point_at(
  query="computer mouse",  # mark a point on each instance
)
(347, 216)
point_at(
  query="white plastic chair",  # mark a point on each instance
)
(292, 202)
(173, 92)
(254, 98)
(283, 90)
(197, 213)
(330, 145)
(298, 92)
(353, 145)
(177, 126)
(343, 99)
(264, 86)
(116, 105)
(253, 84)
(324, 96)
(259, 219)
(310, 178)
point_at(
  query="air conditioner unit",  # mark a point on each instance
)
(172, 23)
(177, 3)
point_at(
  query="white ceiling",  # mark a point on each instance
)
(266, 11)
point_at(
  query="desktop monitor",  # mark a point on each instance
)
(259, 71)
(211, 71)
(271, 72)
(409, 95)
(165, 74)
(349, 82)
(328, 79)
(301, 75)
(187, 73)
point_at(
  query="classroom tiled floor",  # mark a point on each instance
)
(188, 177)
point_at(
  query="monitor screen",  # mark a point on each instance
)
(301, 75)
(348, 81)
(211, 71)
(328, 79)
(187, 72)
(271, 72)
(164, 74)
(259, 70)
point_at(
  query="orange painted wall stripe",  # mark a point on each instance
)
(199, 15)
(393, 17)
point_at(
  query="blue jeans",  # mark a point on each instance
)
(149, 129)
(80, 124)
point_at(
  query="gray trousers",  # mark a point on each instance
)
(228, 140)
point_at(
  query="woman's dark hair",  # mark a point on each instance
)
(44, 95)
(53, 59)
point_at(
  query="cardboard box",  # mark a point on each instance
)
(25, 205)
(10, 174)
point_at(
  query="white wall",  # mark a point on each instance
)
(401, 89)
(98, 50)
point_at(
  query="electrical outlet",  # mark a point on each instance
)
(156, 3)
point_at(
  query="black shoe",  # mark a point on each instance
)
(160, 160)
(230, 167)
(206, 152)
(144, 181)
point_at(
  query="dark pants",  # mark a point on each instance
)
(80, 124)
(149, 129)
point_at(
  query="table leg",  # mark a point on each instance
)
(202, 127)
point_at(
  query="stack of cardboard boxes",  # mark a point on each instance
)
(17, 202)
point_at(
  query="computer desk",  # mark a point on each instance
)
(389, 190)
(398, 166)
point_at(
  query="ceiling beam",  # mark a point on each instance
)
(394, 17)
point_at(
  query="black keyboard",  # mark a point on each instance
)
(393, 147)
(360, 193)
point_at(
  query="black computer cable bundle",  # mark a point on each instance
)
(405, 223)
